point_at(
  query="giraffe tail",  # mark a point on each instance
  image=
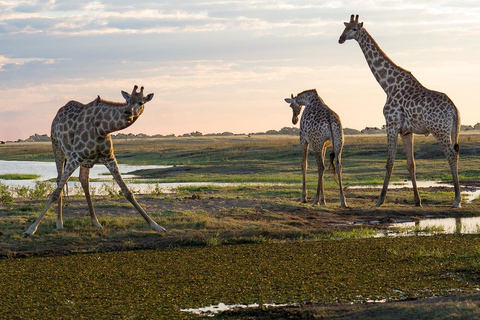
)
(65, 194)
(332, 166)
(456, 132)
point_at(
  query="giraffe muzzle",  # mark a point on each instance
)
(295, 119)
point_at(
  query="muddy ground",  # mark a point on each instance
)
(194, 217)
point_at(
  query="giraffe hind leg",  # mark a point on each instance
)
(452, 154)
(320, 196)
(303, 199)
(337, 165)
(56, 194)
(111, 164)
(60, 165)
(84, 181)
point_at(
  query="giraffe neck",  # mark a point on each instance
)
(307, 97)
(389, 75)
(111, 117)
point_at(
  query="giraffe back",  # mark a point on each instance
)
(319, 124)
(75, 133)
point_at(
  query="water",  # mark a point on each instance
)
(47, 171)
(469, 225)
(469, 193)
(212, 310)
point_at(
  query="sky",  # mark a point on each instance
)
(224, 65)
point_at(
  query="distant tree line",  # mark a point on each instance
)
(284, 131)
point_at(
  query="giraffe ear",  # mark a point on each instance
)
(360, 25)
(149, 97)
(345, 23)
(288, 100)
(125, 95)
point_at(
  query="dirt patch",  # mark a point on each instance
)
(219, 216)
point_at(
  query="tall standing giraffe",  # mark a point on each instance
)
(81, 138)
(410, 108)
(319, 126)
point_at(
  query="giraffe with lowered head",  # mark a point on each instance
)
(81, 138)
(319, 126)
(410, 108)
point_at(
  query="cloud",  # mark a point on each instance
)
(222, 58)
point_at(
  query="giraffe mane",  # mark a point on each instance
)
(383, 53)
(314, 91)
(110, 103)
(309, 90)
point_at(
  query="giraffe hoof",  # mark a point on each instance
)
(159, 229)
(97, 224)
(29, 232)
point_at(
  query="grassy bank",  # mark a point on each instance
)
(270, 158)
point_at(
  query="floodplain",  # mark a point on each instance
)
(248, 241)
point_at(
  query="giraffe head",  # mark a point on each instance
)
(296, 108)
(135, 104)
(351, 29)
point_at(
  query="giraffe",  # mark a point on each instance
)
(80, 136)
(319, 126)
(410, 108)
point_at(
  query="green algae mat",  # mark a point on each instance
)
(156, 284)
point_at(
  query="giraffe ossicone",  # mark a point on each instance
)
(80, 136)
(319, 126)
(410, 108)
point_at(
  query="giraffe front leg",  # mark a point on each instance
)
(408, 147)
(112, 166)
(392, 148)
(84, 181)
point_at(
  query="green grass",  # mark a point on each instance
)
(270, 158)
(18, 176)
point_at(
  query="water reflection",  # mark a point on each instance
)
(469, 225)
(469, 193)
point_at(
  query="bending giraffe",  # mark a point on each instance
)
(410, 108)
(81, 138)
(319, 126)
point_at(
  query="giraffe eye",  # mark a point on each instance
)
(354, 29)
